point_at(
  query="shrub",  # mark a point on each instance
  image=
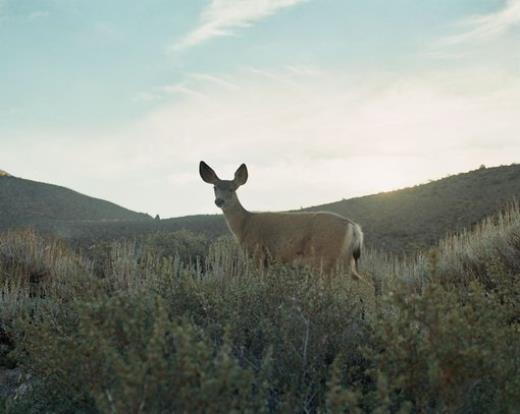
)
(124, 354)
(155, 333)
(443, 351)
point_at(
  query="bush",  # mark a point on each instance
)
(443, 351)
(155, 333)
(124, 354)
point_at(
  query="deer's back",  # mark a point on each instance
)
(292, 235)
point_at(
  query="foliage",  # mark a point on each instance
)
(138, 326)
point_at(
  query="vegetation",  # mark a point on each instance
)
(144, 326)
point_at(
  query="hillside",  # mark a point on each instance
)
(210, 226)
(25, 202)
(412, 218)
(416, 217)
(396, 221)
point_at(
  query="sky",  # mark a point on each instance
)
(322, 99)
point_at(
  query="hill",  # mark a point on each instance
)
(416, 217)
(25, 202)
(397, 221)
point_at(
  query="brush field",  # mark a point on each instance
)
(174, 322)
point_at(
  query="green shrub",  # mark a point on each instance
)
(124, 354)
(442, 350)
(188, 246)
(152, 332)
(446, 352)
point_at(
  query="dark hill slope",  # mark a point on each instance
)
(419, 216)
(397, 221)
(211, 226)
(412, 218)
(26, 202)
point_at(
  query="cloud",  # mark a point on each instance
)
(309, 136)
(146, 97)
(488, 26)
(38, 15)
(223, 17)
(7, 11)
(182, 89)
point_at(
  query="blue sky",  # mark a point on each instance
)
(323, 99)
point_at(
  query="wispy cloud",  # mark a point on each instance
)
(6, 13)
(223, 17)
(182, 89)
(39, 14)
(215, 80)
(487, 26)
(146, 97)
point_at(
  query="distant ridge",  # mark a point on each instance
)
(416, 217)
(31, 203)
(399, 221)
(4, 173)
(413, 218)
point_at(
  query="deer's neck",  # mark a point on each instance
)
(237, 218)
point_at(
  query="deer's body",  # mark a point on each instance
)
(321, 240)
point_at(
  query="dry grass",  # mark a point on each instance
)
(134, 328)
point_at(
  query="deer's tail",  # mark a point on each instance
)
(357, 244)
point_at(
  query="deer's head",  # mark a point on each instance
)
(225, 190)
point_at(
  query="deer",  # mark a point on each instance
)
(324, 241)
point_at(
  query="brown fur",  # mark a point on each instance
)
(320, 240)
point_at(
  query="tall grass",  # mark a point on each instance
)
(144, 327)
(459, 259)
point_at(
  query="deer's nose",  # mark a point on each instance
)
(219, 202)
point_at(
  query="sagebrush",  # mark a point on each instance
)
(146, 326)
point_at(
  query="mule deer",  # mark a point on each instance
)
(321, 240)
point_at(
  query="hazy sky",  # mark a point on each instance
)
(323, 99)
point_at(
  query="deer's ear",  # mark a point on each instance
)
(207, 173)
(241, 175)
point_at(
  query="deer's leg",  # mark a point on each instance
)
(354, 269)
